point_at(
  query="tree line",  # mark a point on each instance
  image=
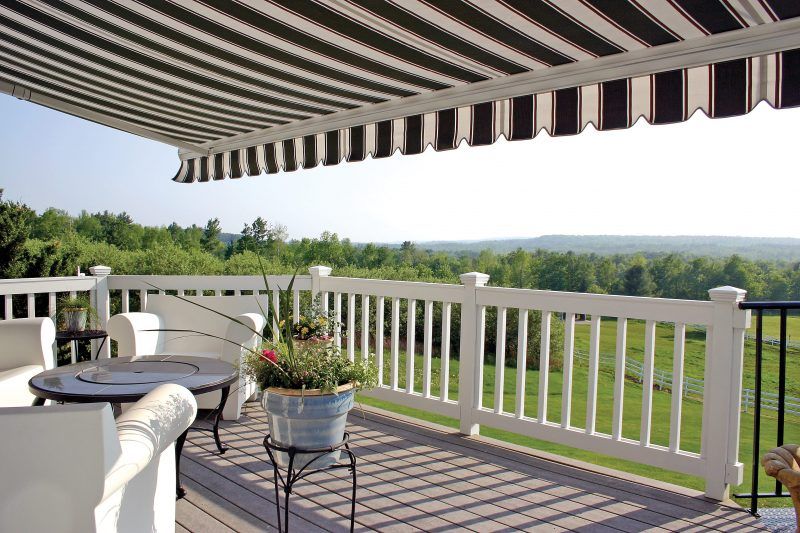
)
(55, 243)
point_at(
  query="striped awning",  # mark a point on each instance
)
(250, 86)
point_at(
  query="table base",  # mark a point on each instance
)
(180, 492)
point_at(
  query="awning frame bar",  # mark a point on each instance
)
(23, 93)
(748, 42)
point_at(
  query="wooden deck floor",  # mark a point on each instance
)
(414, 477)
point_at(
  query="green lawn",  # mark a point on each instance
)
(692, 407)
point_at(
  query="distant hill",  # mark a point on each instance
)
(228, 238)
(773, 248)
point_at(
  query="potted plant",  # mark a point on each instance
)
(311, 328)
(307, 392)
(76, 313)
(307, 387)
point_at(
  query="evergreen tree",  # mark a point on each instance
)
(210, 240)
(15, 226)
(638, 281)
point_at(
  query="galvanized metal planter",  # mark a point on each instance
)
(75, 318)
(307, 419)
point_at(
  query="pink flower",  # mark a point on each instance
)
(269, 355)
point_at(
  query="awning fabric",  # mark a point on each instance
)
(230, 82)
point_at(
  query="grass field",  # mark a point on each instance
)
(692, 407)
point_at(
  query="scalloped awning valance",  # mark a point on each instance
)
(244, 87)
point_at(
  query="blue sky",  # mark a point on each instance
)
(694, 178)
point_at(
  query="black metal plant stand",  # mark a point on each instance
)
(293, 476)
(88, 334)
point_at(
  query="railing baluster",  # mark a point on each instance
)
(677, 387)
(337, 316)
(444, 387)
(8, 306)
(647, 381)
(365, 326)
(594, 368)
(181, 292)
(351, 326)
(379, 310)
(199, 292)
(31, 305)
(620, 367)
(522, 356)
(480, 356)
(295, 306)
(125, 305)
(411, 341)
(566, 389)
(500, 360)
(395, 360)
(51, 305)
(757, 416)
(218, 292)
(544, 366)
(276, 315)
(781, 390)
(427, 341)
(73, 345)
(143, 300)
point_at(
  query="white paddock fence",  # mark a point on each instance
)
(663, 380)
(725, 325)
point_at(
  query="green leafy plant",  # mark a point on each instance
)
(307, 366)
(316, 366)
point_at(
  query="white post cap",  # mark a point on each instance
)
(320, 270)
(100, 270)
(727, 294)
(476, 279)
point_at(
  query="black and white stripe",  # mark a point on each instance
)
(200, 72)
(720, 90)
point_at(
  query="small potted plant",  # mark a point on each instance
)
(308, 385)
(308, 389)
(76, 313)
(312, 328)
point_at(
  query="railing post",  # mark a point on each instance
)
(470, 370)
(102, 304)
(317, 272)
(723, 392)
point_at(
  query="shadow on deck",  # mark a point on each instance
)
(420, 477)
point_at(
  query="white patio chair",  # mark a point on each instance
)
(69, 468)
(26, 348)
(144, 334)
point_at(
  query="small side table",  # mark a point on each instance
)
(293, 476)
(85, 335)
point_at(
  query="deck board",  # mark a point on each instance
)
(419, 477)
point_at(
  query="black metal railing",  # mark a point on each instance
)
(760, 308)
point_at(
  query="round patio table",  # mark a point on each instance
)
(128, 379)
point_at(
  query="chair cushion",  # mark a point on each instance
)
(14, 386)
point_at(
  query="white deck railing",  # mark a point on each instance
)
(350, 298)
